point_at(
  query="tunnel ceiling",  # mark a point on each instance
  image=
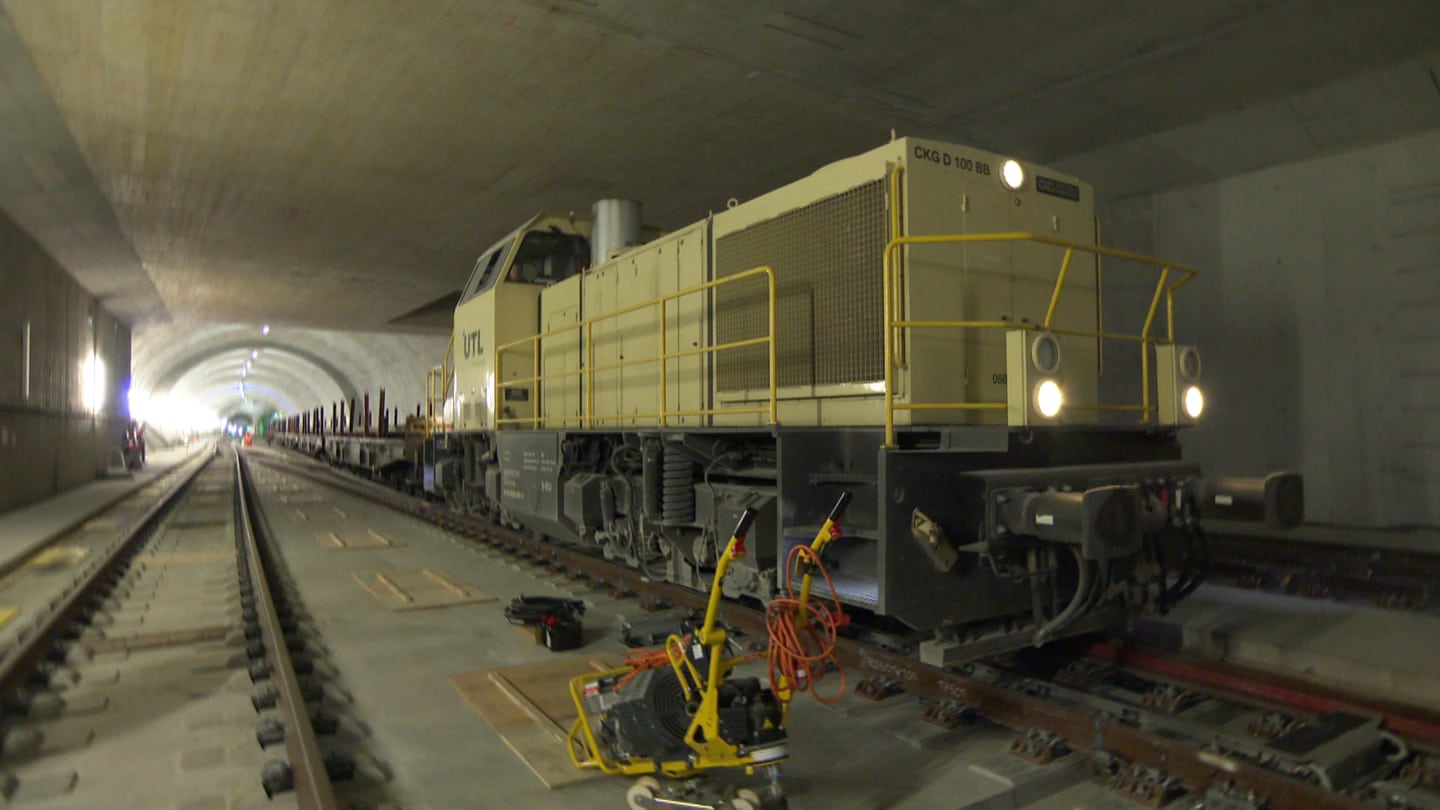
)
(338, 165)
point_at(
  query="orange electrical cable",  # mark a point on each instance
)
(640, 659)
(802, 650)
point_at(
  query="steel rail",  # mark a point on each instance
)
(311, 780)
(1085, 730)
(1387, 577)
(1414, 723)
(19, 661)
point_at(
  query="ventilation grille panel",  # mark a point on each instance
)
(827, 260)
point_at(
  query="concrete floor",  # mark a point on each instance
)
(1367, 650)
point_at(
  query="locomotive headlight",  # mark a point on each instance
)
(1012, 174)
(1048, 398)
(1194, 402)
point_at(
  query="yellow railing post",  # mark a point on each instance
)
(887, 304)
(1145, 345)
(774, 355)
(664, 393)
(1059, 283)
(535, 390)
(590, 375)
(437, 384)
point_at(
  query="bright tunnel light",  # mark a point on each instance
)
(1048, 399)
(1194, 402)
(92, 384)
(174, 415)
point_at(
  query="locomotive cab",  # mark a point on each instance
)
(501, 304)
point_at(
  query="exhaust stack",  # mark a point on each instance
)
(616, 227)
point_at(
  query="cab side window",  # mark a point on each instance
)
(486, 268)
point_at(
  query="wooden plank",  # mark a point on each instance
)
(543, 720)
(356, 540)
(418, 589)
(58, 557)
(533, 712)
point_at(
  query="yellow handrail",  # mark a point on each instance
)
(894, 326)
(439, 382)
(589, 369)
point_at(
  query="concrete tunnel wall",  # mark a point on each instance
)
(1318, 319)
(49, 440)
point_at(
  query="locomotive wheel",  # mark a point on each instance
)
(641, 795)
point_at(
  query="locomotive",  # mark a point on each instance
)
(920, 324)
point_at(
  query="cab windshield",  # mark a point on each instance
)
(548, 257)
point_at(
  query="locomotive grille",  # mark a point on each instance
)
(828, 293)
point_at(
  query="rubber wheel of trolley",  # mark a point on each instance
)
(641, 795)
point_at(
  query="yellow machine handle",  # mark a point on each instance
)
(734, 550)
(829, 531)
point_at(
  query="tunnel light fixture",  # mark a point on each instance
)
(1012, 174)
(1048, 398)
(1194, 402)
(138, 403)
(265, 329)
(254, 354)
(92, 384)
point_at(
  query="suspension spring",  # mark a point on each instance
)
(679, 489)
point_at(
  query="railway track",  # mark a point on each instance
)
(132, 663)
(1387, 577)
(1148, 752)
(306, 769)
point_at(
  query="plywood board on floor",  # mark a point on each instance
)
(419, 588)
(58, 557)
(356, 540)
(530, 707)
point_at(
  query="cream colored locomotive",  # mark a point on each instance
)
(920, 324)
